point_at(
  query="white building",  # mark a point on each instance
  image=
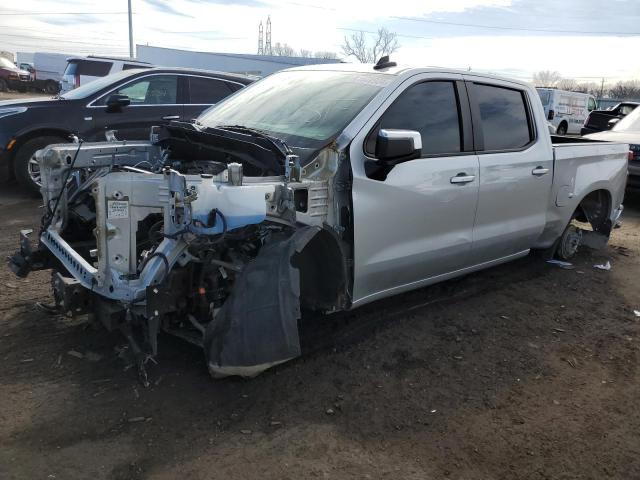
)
(259, 65)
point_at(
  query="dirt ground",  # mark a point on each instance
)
(525, 371)
(12, 95)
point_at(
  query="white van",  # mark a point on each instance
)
(565, 110)
(81, 70)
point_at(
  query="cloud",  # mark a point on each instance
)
(64, 20)
(164, 7)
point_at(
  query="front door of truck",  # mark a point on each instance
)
(416, 223)
(516, 169)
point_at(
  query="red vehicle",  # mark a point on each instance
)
(11, 77)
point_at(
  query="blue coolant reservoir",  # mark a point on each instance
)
(240, 205)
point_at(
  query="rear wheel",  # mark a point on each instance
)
(562, 129)
(25, 165)
(51, 87)
(569, 242)
(3, 85)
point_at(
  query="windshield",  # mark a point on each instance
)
(303, 108)
(94, 86)
(544, 96)
(630, 123)
(6, 63)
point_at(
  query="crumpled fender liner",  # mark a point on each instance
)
(257, 327)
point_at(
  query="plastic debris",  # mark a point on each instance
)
(561, 264)
(73, 353)
(636, 313)
(604, 266)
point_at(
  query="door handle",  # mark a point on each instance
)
(539, 171)
(463, 178)
(171, 117)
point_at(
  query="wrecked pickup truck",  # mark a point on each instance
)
(316, 188)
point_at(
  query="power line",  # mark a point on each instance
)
(60, 40)
(375, 33)
(495, 27)
(28, 14)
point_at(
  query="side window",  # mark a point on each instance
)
(505, 121)
(207, 90)
(592, 104)
(430, 108)
(154, 90)
(626, 109)
(93, 68)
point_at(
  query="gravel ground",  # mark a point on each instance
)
(524, 371)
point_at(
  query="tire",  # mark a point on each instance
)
(51, 87)
(569, 242)
(25, 168)
(3, 85)
(562, 129)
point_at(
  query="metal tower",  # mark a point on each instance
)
(260, 38)
(267, 47)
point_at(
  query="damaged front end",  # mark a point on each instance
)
(220, 238)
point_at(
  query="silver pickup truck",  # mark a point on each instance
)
(317, 188)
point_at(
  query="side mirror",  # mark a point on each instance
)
(397, 146)
(117, 101)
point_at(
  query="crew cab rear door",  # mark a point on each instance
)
(156, 99)
(516, 168)
(416, 223)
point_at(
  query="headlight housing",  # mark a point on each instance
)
(5, 112)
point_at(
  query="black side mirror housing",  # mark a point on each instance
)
(397, 146)
(612, 123)
(117, 101)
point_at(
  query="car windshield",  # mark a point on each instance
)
(94, 86)
(544, 96)
(630, 123)
(303, 108)
(6, 63)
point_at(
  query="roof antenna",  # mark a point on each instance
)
(384, 63)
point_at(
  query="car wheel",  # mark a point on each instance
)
(51, 88)
(562, 129)
(569, 242)
(3, 85)
(25, 165)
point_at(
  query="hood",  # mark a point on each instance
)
(17, 70)
(613, 136)
(32, 102)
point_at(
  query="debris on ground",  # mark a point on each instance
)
(604, 266)
(73, 353)
(330, 411)
(136, 419)
(246, 432)
(636, 313)
(562, 264)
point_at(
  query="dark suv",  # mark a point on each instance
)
(129, 102)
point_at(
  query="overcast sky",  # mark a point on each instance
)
(583, 39)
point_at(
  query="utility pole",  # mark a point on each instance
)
(267, 47)
(602, 88)
(130, 32)
(260, 37)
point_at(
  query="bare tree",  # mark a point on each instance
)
(327, 55)
(629, 90)
(567, 84)
(283, 50)
(592, 88)
(358, 46)
(305, 53)
(546, 78)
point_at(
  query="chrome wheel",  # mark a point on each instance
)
(34, 171)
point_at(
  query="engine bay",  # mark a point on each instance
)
(220, 238)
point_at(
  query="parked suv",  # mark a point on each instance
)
(12, 77)
(129, 102)
(600, 120)
(83, 70)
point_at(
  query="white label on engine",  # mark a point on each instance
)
(117, 209)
